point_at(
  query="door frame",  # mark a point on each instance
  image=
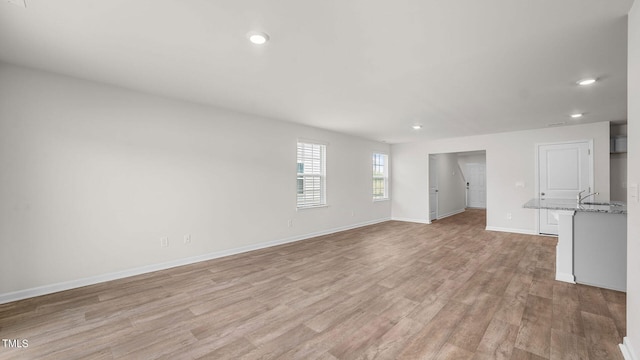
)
(589, 143)
(432, 155)
(432, 168)
(484, 166)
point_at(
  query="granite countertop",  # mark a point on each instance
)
(572, 205)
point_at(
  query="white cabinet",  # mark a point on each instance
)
(600, 249)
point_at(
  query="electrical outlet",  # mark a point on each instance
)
(164, 241)
(353, 213)
(508, 216)
(187, 239)
(290, 223)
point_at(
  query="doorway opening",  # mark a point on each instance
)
(457, 181)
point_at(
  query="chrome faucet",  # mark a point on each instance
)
(586, 196)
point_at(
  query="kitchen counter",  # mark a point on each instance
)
(572, 205)
(592, 241)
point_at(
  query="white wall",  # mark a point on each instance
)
(633, 216)
(510, 158)
(451, 188)
(92, 176)
(471, 158)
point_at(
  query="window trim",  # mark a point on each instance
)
(322, 175)
(385, 177)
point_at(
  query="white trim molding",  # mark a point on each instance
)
(565, 277)
(419, 221)
(67, 285)
(451, 213)
(509, 230)
(627, 349)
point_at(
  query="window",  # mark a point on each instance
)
(311, 182)
(380, 176)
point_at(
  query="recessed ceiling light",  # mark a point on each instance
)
(417, 127)
(577, 115)
(584, 82)
(257, 37)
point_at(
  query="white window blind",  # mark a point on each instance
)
(311, 175)
(380, 176)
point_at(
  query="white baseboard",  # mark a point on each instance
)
(627, 349)
(67, 285)
(565, 277)
(509, 230)
(451, 213)
(419, 221)
(425, 221)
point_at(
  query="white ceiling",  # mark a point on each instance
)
(370, 68)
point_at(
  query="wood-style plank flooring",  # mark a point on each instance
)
(395, 290)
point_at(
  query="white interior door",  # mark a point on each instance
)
(433, 188)
(476, 185)
(563, 171)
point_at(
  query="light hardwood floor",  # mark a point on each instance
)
(450, 290)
